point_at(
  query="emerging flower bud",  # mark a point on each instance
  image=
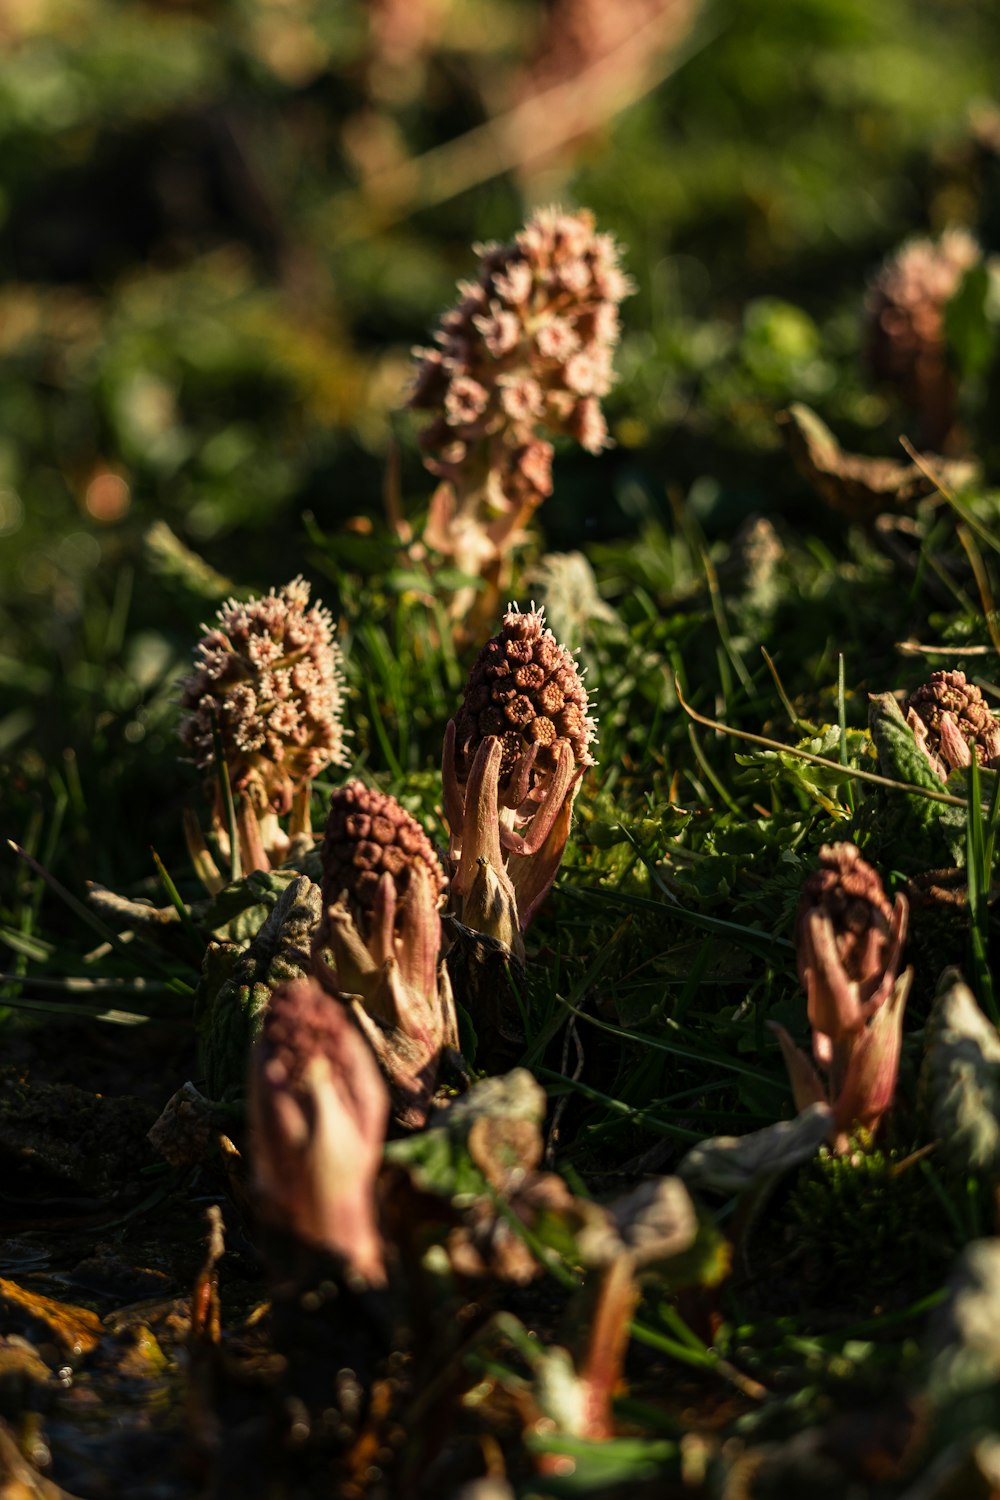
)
(514, 756)
(318, 1110)
(951, 721)
(849, 942)
(527, 349)
(382, 889)
(267, 681)
(905, 307)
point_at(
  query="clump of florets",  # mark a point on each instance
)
(368, 835)
(952, 721)
(525, 689)
(527, 350)
(513, 759)
(905, 307)
(267, 679)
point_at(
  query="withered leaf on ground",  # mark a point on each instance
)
(733, 1163)
(857, 486)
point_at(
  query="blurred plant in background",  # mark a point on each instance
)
(527, 351)
(906, 307)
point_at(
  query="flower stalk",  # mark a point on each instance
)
(907, 346)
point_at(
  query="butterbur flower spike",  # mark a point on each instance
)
(514, 756)
(526, 351)
(318, 1110)
(380, 939)
(849, 942)
(266, 689)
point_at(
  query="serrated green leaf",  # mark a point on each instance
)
(913, 833)
(236, 982)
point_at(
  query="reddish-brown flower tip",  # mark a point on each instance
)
(513, 759)
(382, 891)
(368, 836)
(848, 892)
(318, 1111)
(955, 722)
(526, 690)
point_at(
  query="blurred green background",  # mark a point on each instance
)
(224, 225)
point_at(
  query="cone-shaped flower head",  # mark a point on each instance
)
(267, 676)
(527, 350)
(525, 689)
(383, 887)
(849, 941)
(952, 721)
(513, 758)
(318, 1110)
(905, 307)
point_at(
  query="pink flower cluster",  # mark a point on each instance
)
(527, 350)
(267, 676)
(526, 689)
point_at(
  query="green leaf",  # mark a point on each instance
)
(438, 1159)
(912, 833)
(237, 913)
(818, 782)
(236, 983)
(971, 333)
